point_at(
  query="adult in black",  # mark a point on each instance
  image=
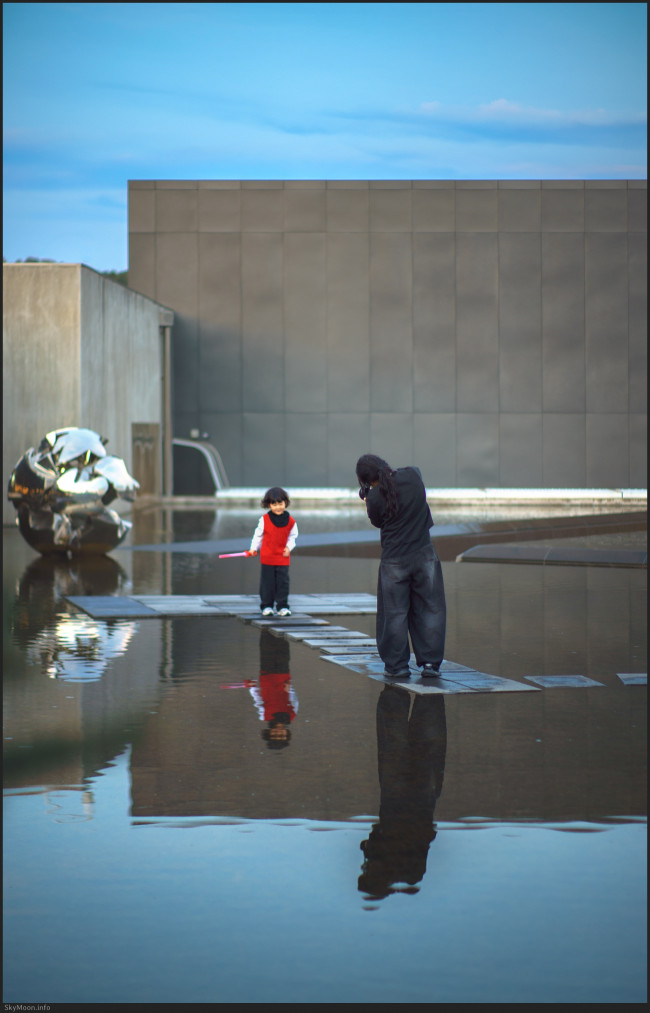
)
(410, 588)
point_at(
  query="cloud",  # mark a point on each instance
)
(503, 116)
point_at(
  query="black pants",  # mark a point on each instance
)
(274, 586)
(411, 600)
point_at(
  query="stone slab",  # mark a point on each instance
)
(352, 647)
(548, 555)
(333, 633)
(341, 644)
(112, 607)
(309, 633)
(454, 678)
(292, 622)
(633, 678)
(562, 681)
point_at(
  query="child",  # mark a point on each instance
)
(275, 537)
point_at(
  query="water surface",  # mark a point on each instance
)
(160, 848)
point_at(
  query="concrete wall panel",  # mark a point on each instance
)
(391, 437)
(219, 210)
(391, 323)
(638, 429)
(262, 322)
(520, 210)
(176, 210)
(608, 451)
(434, 321)
(305, 210)
(606, 321)
(434, 448)
(638, 321)
(305, 322)
(348, 437)
(348, 323)
(220, 339)
(226, 431)
(520, 322)
(264, 458)
(606, 210)
(564, 455)
(142, 263)
(477, 449)
(563, 323)
(477, 210)
(434, 210)
(563, 210)
(306, 435)
(348, 210)
(520, 449)
(390, 210)
(477, 329)
(186, 367)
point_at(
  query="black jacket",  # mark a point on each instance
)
(408, 530)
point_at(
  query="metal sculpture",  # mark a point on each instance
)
(62, 491)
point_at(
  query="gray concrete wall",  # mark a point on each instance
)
(493, 332)
(78, 349)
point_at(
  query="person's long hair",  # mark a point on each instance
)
(371, 468)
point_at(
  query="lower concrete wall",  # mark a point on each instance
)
(78, 350)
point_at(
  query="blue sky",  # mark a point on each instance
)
(97, 94)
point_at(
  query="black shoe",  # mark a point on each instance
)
(431, 671)
(404, 674)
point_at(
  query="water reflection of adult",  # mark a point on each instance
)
(411, 751)
(274, 696)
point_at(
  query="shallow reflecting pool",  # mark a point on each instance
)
(161, 845)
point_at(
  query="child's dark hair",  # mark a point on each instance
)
(371, 468)
(275, 495)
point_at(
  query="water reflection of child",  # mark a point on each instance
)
(274, 696)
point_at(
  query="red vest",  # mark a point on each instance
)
(273, 542)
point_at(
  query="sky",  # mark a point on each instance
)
(96, 94)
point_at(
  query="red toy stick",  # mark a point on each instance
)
(228, 555)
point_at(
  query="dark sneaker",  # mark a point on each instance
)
(404, 674)
(430, 670)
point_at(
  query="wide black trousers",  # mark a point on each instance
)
(411, 600)
(274, 586)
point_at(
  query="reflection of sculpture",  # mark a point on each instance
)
(411, 755)
(62, 644)
(62, 491)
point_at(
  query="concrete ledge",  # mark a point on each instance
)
(553, 556)
(251, 497)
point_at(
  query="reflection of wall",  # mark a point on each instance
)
(78, 349)
(491, 331)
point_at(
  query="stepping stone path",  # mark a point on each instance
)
(350, 649)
